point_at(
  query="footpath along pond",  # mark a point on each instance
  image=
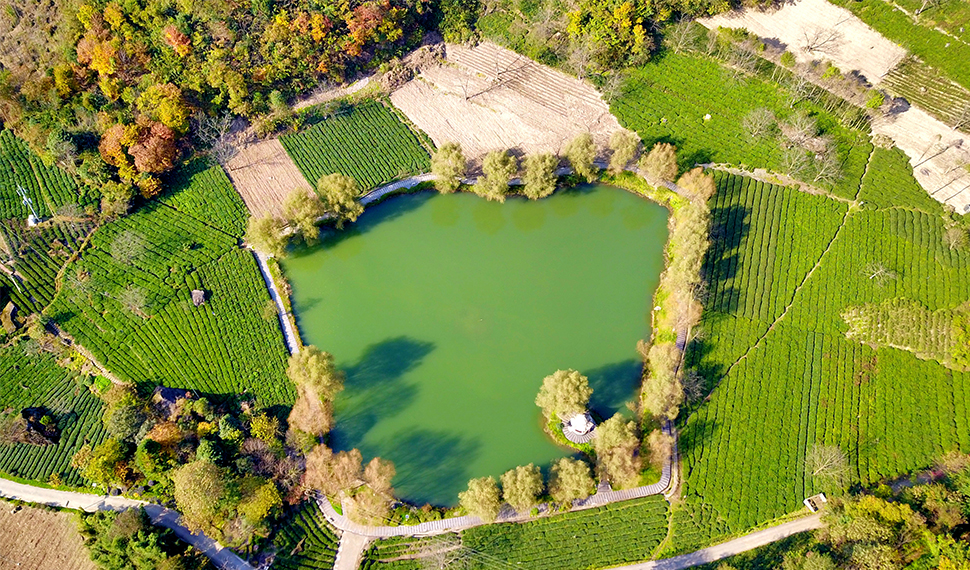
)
(446, 312)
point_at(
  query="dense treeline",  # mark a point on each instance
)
(111, 91)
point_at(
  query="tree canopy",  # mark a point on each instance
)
(581, 152)
(540, 175)
(481, 499)
(448, 166)
(564, 394)
(339, 194)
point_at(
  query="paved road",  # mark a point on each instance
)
(289, 335)
(350, 551)
(732, 547)
(221, 557)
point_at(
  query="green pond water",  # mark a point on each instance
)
(446, 312)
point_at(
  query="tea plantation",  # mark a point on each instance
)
(781, 374)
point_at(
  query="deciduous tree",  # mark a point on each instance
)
(540, 175)
(302, 210)
(200, 487)
(661, 162)
(564, 394)
(317, 382)
(339, 194)
(481, 499)
(616, 444)
(330, 473)
(448, 166)
(581, 152)
(571, 479)
(522, 486)
(498, 167)
(265, 234)
(697, 185)
(624, 145)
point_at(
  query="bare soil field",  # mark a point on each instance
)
(487, 98)
(264, 174)
(36, 539)
(818, 30)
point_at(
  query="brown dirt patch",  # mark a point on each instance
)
(487, 98)
(264, 174)
(36, 539)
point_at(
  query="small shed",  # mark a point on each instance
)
(815, 503)
(198, 297)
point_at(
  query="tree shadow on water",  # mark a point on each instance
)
(375, 388)
(432, 466)
(387, 209)
(613, 386)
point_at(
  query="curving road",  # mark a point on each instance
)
(731, 547)
(221, 557)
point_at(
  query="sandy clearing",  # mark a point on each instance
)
(264, 174)
(487, 98)
(853, 46)
(36, 539)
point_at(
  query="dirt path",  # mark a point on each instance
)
(289, 335)
(351, 551)
(732, 547)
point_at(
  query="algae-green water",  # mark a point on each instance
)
(446, 312)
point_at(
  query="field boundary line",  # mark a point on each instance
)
(845, 218)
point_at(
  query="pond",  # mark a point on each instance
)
(446, 312)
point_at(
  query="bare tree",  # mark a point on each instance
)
(821, 40)
(127, 246)
(693, 384)
(759, 122)
(800, 129)
(827, 464)
(796, 161)
(962, 117)
(613, 86)
(133, 299)
(826, 167)
(581, 59)
(927, 4)
(217, 134)
(444, 552)
(878, 273)
(680, 36)
(743, 60)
